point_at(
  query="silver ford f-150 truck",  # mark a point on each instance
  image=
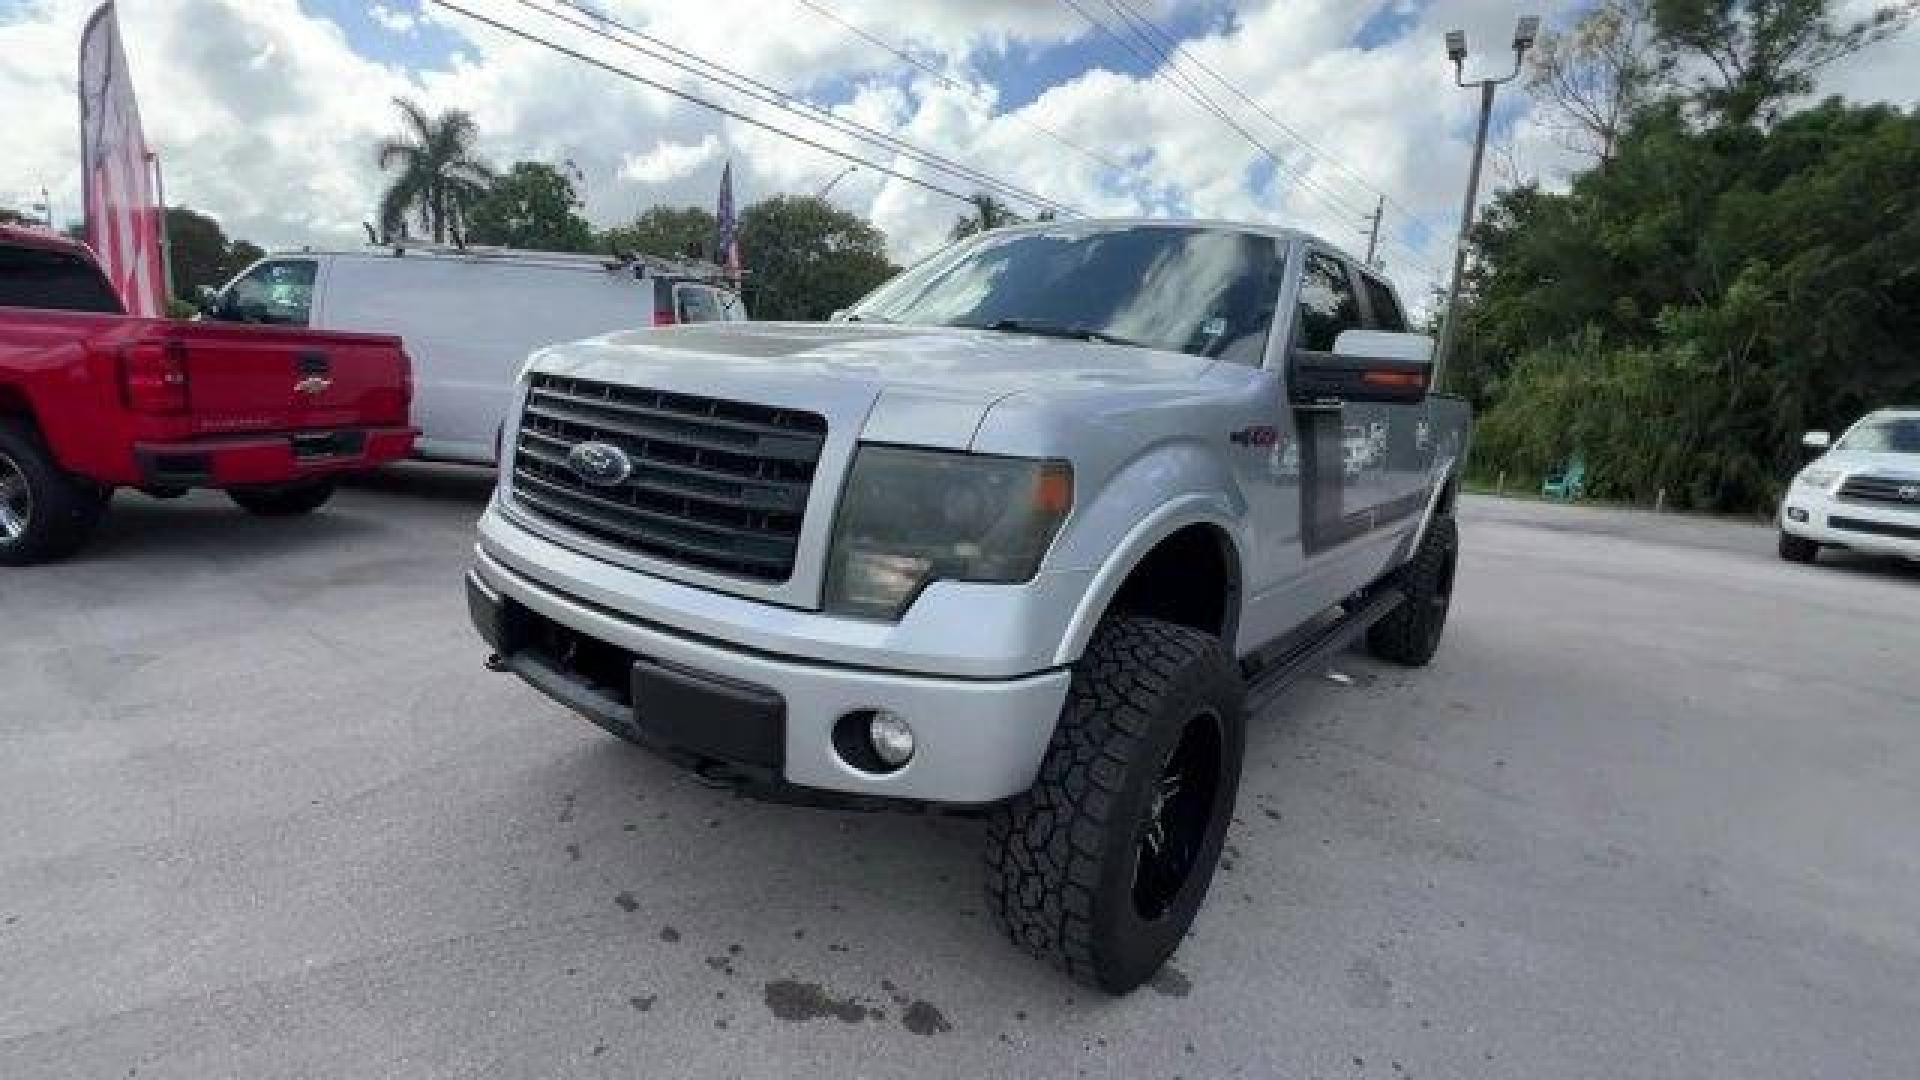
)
(1030, 530)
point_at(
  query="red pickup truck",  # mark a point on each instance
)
(92, 400)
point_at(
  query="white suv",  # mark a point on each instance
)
(1863, 493)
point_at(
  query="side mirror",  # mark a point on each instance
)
(839, 315)
(1365, 365)
(1816, 440)
(206, 301)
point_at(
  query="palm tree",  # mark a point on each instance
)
(439, 178)
(988, 213)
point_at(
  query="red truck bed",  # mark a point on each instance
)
(113, 401)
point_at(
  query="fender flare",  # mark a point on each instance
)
(1196, 509)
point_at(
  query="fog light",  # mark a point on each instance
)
(892, 739)
(1794, 513)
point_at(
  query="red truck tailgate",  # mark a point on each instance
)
(256, 378)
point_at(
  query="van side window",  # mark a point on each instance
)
(277, 293)
(697, 304)
(1385, 310)
(1328, 305)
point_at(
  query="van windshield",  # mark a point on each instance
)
(1207, 292)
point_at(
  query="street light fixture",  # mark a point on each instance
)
(1525, 34)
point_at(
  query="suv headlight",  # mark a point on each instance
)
(1819, 477)
(909, 517)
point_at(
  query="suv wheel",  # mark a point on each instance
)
(287, 501)
(45, 513)
(1410, 635)
(1102, 865)
(1798, 548)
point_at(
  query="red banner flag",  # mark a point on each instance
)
(123, 219)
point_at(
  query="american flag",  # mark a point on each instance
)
(122, 214)
(726, 241)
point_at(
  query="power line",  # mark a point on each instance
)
(748, 86)
(955, 84)
(529, 36)
(1199, 98)
(1289, 130)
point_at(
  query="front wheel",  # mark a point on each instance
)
(288, 501)
(1102, 865)
(1798, 548)
(45, 513)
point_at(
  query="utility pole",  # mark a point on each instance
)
(1524, 35)
(1373, 232)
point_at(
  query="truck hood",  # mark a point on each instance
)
(927, 386)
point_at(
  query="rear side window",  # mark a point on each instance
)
(697, 303)
(60, 280)
(1386, 314)
(277, 293)
(1328, 305)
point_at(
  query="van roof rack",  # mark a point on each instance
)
(699, 269)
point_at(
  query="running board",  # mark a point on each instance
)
(1267, 679)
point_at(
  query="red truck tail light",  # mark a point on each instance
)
(663, 316)
(154, 376)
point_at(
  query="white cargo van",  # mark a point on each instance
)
(470, 316)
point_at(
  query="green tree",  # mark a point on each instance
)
(988, 213)
(1751, 56)
(806, 258)
(670, 232)
(200, 254)
(532, 205)
(437, 177)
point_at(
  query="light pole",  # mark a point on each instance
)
(839, 176)
(1524, 35)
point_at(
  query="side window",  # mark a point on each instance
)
(278, 293)
(36, 278)
(1327, 303)
(697, 303)
(1386, 314)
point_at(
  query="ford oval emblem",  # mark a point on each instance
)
(600, 464)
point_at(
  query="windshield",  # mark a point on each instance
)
(1893, 435)
(1208, 292)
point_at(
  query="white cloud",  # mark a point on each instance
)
(668, 161)
(394, 20)
(265, 116)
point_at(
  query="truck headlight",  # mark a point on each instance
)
(908, 517)
(1818, 478)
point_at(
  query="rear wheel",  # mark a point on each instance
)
(1798, 548)
(289, 501)
(45, 512)
(1410, 635)
(1102, 865)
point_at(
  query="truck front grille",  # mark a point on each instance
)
(718, 485)
(1881, 489)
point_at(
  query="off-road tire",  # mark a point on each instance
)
(59, 510)
(290, 501)
(1062, 858)
(1410, 635)
(1798, 548)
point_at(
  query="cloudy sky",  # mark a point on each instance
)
(265, 112)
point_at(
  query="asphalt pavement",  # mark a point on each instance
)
(1653, 812)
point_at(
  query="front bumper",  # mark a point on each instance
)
(1875, 528)
(268, 460)
(762, 715)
